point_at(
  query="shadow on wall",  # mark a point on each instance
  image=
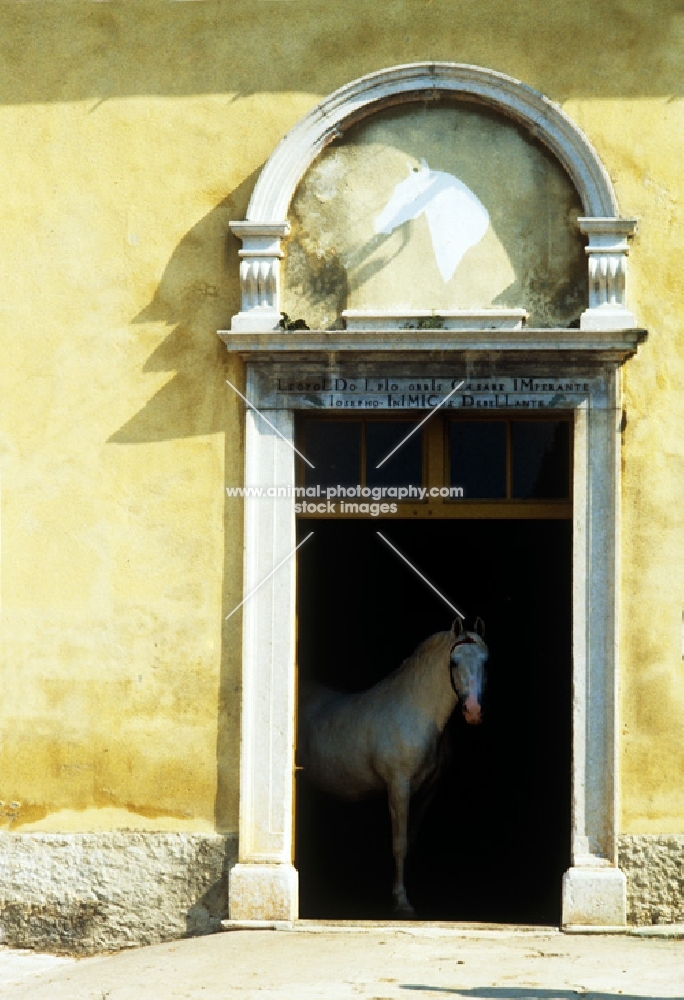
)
(207, 912)
(197, 295)
(178, 49)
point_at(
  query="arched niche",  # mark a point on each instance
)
(442, 208)
(267, 223)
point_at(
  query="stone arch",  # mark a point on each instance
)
(424, 82)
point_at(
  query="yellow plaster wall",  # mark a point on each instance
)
(132, 133)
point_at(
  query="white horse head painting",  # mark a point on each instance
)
(389, 737)
(456, 217)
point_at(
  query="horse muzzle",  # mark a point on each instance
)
(472, 711)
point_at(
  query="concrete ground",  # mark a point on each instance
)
(399, 962)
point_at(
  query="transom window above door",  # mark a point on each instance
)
(451, 466)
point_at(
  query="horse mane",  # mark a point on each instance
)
(423, 656)
(420, 662)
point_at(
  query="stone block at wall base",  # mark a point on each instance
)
(594, 897)
(264, 892)
(82, 893)
(654, 866)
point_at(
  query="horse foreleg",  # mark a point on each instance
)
(399, 794)
(424, 796)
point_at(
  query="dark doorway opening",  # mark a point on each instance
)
(496, 840)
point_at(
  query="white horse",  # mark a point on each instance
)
(388, 737)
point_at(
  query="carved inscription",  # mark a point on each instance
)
(388, 392)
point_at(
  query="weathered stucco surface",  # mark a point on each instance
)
(133, 134)
(531, 255)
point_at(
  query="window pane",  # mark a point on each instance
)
(477, 458)
(334, 447)
(405, 467)
(541, 459)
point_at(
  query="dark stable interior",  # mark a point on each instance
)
(496, 838)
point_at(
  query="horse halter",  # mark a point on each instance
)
(463, 641)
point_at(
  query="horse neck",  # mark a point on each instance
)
(425, 675)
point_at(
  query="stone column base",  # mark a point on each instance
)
(606, 318)
(264, 892)
(594, 897)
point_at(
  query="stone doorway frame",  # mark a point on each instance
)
(264, 882)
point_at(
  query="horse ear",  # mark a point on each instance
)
(480, 627)
(457, 627)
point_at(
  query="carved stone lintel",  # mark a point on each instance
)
(607, 251)
(260, 258)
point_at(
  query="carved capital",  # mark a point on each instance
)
(607, 253)
(259, 274)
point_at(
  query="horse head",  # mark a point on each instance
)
(466, 668)
(406, 201)
(456, 217)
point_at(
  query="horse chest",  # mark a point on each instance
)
(410, 751)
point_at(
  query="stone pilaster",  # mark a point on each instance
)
(263, 886)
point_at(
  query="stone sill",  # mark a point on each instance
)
(457, 928)
(418, 928)
(611, 346)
